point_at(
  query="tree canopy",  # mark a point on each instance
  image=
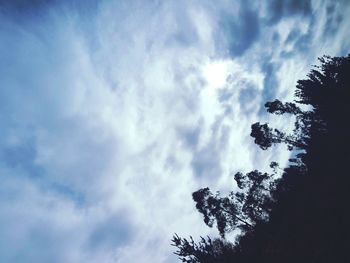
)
(302, 216)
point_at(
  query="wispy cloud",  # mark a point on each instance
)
(114, 112)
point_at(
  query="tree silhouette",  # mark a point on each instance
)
(205, 251)
(265, 137)
(301, 216)
(279, 108)
(241, 210)
(225, 211)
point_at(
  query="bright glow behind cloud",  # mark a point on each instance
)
(112, 114)
(216, 73)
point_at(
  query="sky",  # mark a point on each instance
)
(113, 112)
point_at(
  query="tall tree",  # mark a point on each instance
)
(302, 216)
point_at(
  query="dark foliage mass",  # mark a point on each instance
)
(302, 216)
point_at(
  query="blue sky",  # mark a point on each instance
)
(113, 112)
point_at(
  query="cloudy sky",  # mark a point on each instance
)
(113, 112)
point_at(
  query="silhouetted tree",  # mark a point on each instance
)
(279, 108)
(241, 209)
(301, 216)
(265, 137)
(205, 251)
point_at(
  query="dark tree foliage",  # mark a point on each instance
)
(241, 209)
(302, 216)
(206, 250)
(264, 136)
(279, 108)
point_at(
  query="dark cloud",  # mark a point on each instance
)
(21, 9)
(21, 157)
(246, 96)
(333, 21)
(281, 8)
(25, 5)
(206, 163)
(293, 36)
(301, 43)
(67, 192)
(111, 233)
(241, 32)
(34, 10)
(39, 243)
(225, 94)
(41, 236)
(182, 37)
(270, 83)
(190, 136)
